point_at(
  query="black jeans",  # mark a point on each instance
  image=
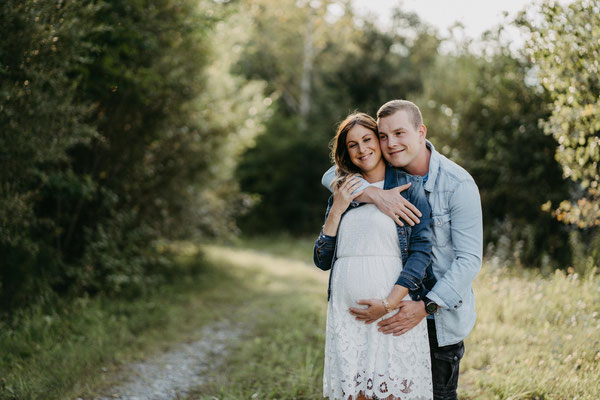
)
(444, 365)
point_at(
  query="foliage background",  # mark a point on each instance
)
(127, 124)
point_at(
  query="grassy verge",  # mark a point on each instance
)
(536, 337)
(281, 357)
(295, 248)
(76, 349)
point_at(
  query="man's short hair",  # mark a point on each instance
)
(393, 106)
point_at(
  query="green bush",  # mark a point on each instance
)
(102, 148)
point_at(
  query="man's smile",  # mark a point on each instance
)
(396, 151)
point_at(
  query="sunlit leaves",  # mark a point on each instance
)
(565, 45)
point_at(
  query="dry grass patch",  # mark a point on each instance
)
(536, 337)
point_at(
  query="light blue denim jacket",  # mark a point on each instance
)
(457, 246)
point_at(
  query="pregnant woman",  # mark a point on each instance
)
(362, 247)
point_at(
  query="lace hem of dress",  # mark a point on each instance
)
(385, 388)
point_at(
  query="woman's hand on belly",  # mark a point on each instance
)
(377, 308)
(374, 310)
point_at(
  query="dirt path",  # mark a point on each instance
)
(174, 373)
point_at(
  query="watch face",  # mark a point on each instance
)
(430, 307)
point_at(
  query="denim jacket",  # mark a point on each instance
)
(457, 246)
(415, 242)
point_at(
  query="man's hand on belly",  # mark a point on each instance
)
(409, 314)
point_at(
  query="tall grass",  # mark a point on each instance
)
(536, 337)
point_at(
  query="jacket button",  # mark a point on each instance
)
(455, 306)
(460, 302)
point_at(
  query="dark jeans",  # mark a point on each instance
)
(444, 365)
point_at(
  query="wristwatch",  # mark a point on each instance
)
(430, 305)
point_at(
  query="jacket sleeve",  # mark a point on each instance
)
(466, 230)
(324, 248)
(327, 179)
(329, 176)
(420, 242)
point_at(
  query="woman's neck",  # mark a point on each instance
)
(376, 174)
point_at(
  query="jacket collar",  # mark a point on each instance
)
(434, 167)
(390, 176)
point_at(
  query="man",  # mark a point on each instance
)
(449, 303)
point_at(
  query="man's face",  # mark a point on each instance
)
(401, 143)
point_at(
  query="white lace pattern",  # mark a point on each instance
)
(358, 358)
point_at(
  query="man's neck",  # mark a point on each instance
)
(420, 166)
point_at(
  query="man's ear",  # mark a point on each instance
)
(422, 132)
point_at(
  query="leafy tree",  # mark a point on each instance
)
(235, 109)
(484, 112)
(564, 44)
(106, 145)
(355, 66)
(44, 45)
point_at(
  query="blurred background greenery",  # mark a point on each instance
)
(127, 124)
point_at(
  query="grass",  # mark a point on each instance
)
(536, 337)
(281, 357)
(286, 246)
(77, 349)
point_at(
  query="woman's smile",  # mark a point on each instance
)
(364, 151)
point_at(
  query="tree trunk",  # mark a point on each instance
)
(307, 66)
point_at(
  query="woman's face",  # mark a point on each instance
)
(363, 148)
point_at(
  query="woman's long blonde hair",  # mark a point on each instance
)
(339, 151)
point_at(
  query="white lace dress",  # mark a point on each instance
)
(358, 358)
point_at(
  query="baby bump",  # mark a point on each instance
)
(359, 278)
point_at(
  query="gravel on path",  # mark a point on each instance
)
(174, 373)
